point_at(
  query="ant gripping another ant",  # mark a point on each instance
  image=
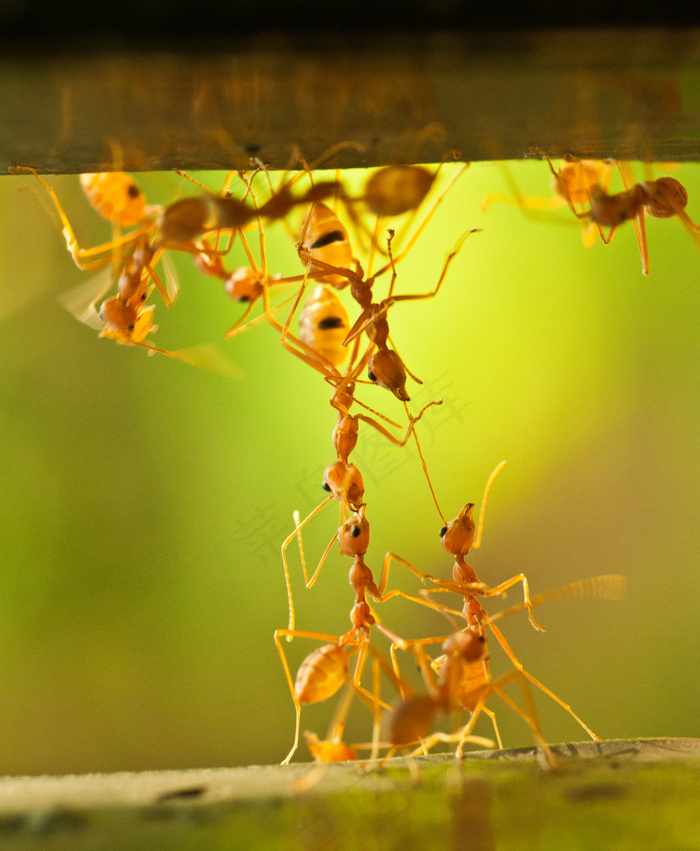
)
(326, 668)
(385, 366)
(464, 679)
(342, 480)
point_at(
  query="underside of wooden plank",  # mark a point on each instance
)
(628, 94)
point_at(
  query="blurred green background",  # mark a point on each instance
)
(144, 501)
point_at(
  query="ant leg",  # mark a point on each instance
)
(527, 205)
(333, 639)
(498, 590)
(78, 253)
(638, 221)
(506, 647)
(484, 500)
(605, 587)
(430, 742)
(492, 716)
(431, 212)
(285, 544)
(529, 716)
(238, 328)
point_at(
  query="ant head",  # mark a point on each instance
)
(125, 323)
(344, 483)
(323, 750)
(119, 316)
(353, 535)
(458, 536)
(386, 369)
(468, 646)
(243, 285)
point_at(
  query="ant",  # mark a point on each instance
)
(386, 367)
(190, 218)
(398, 189)
(127, 323)
(119, 200)
(465, 680)
(661, 198)
(341, 479)
(245, 284)
(458, 537)
(117, 197)
(325, 669)
(327, 239)
(323, 311)
(324, 320)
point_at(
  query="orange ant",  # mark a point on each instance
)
(323, 321)
(341, 479)
(117, 198)
(661, 198)
(333, 748)
(246, 284)
(190, 218)
(465, 680)
(324, 670)
(327, 239)
(386, 368)
(458, 537)
(127, 323)
(395, 190)
(324, 236)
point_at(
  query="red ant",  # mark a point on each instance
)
(661, 198)
(465, 680)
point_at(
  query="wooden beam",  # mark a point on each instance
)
(632, 94)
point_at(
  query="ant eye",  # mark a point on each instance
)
(443, 531)
(326, 486)
(482, 639)
(355, 531)
(372, 377)
(131, 327)
(243, 298)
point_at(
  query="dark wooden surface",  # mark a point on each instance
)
(408, 96)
